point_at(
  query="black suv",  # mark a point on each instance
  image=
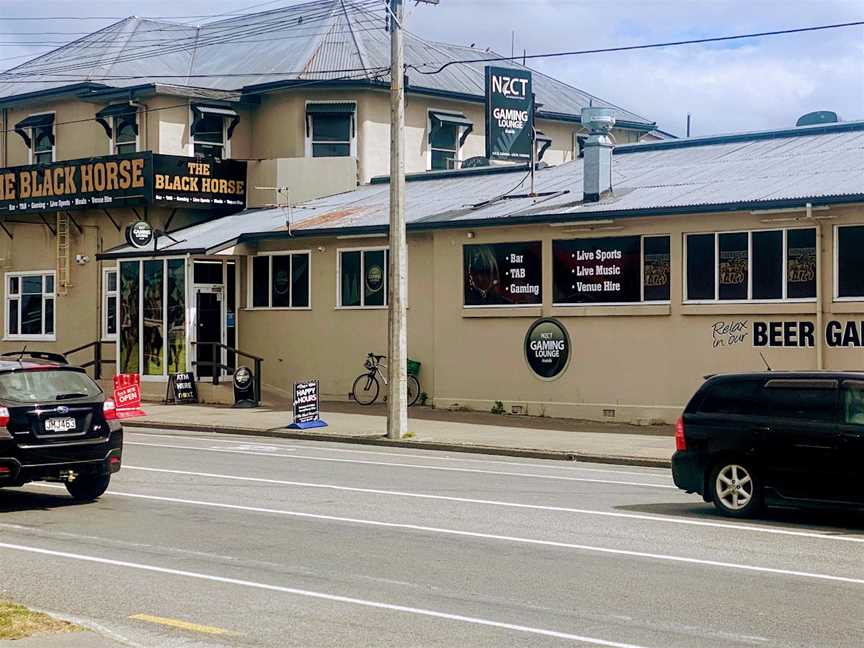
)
(56, 425)
(786, 438)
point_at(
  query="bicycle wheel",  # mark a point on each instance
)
(413, 390)
(365, 389)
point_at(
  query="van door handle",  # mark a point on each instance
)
(760, 430)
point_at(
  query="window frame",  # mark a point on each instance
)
(459, 158)
(362, 251)
(641, 302)
(116, 121)
(106, 295)
(784, 299)
(226, 143)
(836, 266)
(309, 129)
(31, 151)
(250, 280)
(7, 298)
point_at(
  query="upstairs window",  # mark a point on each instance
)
(212, 128)
(37, 131)
(120, 122)
(447, 134)
(331, 129)
(30, 305)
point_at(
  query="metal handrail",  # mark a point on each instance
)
(97, 360)
(218, 366)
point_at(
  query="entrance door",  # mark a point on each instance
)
(208, 328)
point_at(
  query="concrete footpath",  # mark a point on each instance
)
(435, 429)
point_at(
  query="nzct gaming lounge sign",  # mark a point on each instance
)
(130, 180)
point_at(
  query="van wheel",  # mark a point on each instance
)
(88, 488)
(736, 489)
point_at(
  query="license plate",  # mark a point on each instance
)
(60, 424)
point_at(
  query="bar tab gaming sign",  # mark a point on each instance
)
(509, 114)
(129, 180)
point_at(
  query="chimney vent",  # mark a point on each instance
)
(597, 163)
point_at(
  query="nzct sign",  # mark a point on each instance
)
(509, 114)
(124, 181)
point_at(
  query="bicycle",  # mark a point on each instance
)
(367, 387)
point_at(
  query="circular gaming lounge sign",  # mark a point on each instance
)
(139, 234)
(547, 348)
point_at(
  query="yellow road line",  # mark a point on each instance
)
(182, 625)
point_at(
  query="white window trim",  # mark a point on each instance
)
(459, 147)
(386, 288)
(717, 301)
(112, 144)
(309, 131)
(32, 153)
(226, 143)
(270, 255)
(110, 337)
(641, 301)
(7, 298)
(836, 262)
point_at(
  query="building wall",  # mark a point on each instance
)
(636, 363)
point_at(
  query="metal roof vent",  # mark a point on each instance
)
(818, 117)
(597, 163)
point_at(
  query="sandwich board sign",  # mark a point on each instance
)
(182, 389)
(307, 405)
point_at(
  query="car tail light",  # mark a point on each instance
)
(109, 410)
(4, 417)
(680, 441)
(5, 470)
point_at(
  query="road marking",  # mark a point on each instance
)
(396, 452)
(321, 596)
(401, 465)
(181, 625)
(537, 507)
(499, 537)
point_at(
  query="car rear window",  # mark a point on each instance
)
(46, 385)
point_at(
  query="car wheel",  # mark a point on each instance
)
(88, 488)
(736, 489)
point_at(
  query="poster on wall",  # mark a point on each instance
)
(509, 114)
(502, 274)
(597, 271)
(547, 348)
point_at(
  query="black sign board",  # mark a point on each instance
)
(182, 389)
(597, 271)
(306, 402)
(547, 348)
(128, 180)
(139, 234)
(509, 114)
(244, 388)
(503, 274)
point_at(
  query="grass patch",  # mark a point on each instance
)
(17, 622)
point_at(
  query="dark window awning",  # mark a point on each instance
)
(544, 143)
(121, 111)
(339, 108)
(34, 121)
(454, 119)
(202, 111)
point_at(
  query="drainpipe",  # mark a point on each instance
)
(5, 137)
(820, 310)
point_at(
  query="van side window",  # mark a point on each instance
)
(853, 403)
(738, 397)
(785, 399)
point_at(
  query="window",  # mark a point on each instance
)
(120, 122)
(37, 131)
(280, 280)
(330, 129)
(610, 270)
(849, 270)
(363, 278)
(770, 265)
(853, 402)
(814, 400)
(738, 397)
(212, 128)
(30, 305)
(447, 133)
(111, 293)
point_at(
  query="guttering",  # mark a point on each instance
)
(454, 173)
(37, 95)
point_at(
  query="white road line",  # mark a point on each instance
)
(498, 537)
(321, 596)
(518, 505)
(401, 465)
(396, 452)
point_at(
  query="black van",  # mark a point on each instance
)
(786, 438)
(56, 425)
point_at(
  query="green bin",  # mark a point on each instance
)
(413, 367)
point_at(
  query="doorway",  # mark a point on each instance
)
(208, 328)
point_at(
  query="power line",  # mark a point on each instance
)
(603, 50)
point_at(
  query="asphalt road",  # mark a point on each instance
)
(238, 541)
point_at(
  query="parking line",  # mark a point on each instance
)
(519, 505)
(402, 465)
(181, 625)
(321, 596)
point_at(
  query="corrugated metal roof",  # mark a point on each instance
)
(275, 46)
(812, 163)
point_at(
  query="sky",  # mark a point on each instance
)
(755, 84)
